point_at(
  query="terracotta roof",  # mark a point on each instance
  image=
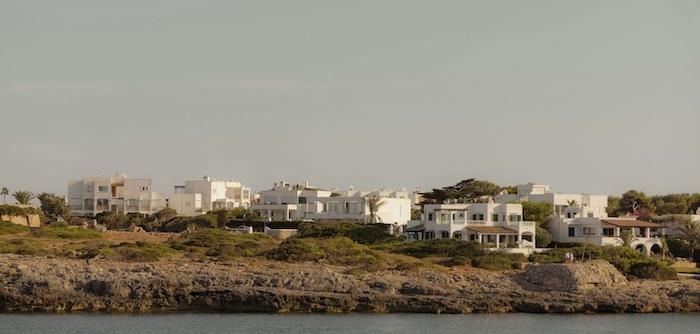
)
(492, 229)
(631, 223)
(416, 228)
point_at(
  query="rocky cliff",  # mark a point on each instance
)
(61, 285)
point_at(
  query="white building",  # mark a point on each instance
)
(395, 207)
(120, 194)
(290, 202)
(646, 236)
(201, 196)
(564, 205)
(499, 225)
(303, 202)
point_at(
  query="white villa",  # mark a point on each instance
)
(304, 202)
(120, 194)
(201, 196)
(646, 236)
(585, 205)
(583, 218)
(290, 202)
(498, 224)
(352, 205)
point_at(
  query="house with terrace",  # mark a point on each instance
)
(498, 225)
(563, 205)
(290, 202)
(645, 237)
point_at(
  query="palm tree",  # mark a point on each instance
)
(691, 233)
(572, 203)
(4, 192)
(23, 196)
(626, 236)
(374, 203)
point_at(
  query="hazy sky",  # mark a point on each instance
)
(588, 96)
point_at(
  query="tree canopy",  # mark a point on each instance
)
(466, 191)
(54, 206)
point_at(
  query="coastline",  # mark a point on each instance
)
(41, 284)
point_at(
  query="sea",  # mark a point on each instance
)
(175, 323)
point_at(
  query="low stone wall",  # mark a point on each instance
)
(26, 220)
(571, 276)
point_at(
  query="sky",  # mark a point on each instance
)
(593, 96)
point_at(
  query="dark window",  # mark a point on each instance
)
(302, 200)
(430, 217)
(608, 232)
(572, 231)
(445, 235)
(494, 217)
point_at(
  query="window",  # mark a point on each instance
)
(515, 218)
(494, 217)
(608, 232)
(302, 200)
(430, 217)
(102, 189)
(590, 215)
(572, 232)
(588, 231)
(568, 215)
(429, 235)
(478, 216)
(444, 234)
(347, 208)
(472, 237)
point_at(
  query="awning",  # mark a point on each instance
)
(631, 223)
(492, 230)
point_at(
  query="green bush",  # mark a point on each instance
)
(542, 237)
(13, 210)
(21, 246)
(340, 251)
(180, 224)
(439, 248)
(497, 261)
(652, 269)
(326, 230)
(84, 250)
(138, 252)
(67, 233)
(224, 245)
(10, 228)
(370, 234)
(297, 250)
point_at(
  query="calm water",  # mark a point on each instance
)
(357, 323)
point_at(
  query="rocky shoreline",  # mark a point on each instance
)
(39, 284)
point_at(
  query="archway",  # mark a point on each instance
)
(656, 249)
(640, 248)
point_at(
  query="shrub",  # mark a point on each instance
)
(370, 234)
(138, 252)
(224, 245)
(542, 237)
(85, 249)
(438, 247)
(10, 228)
(497, 261)
(652, 269)
(67, 233)
(326, 230)
(458, 260)
(180, 224)
(21, 246)
(341, 251)
(297, 250)
(13, 210)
